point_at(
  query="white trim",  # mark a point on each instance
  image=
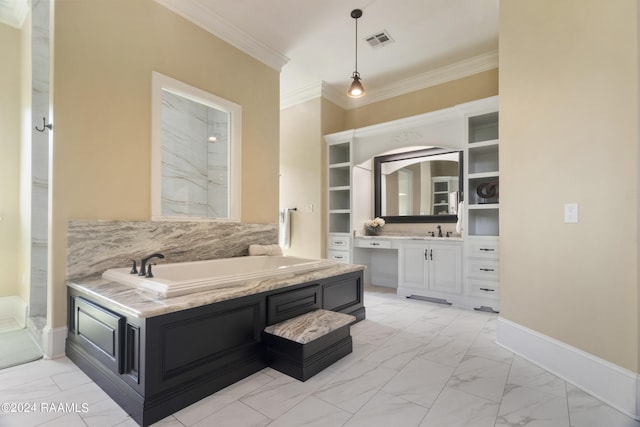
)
(198, 12)
(14, 307)
(614, 385)
(53, 341)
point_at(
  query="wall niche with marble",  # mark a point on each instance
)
(195, 153)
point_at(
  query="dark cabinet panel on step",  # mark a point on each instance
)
(286, 305)
(100, 332)
(344, 295)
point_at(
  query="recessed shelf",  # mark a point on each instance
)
(339, 199)
(339, 153)
(483, 127)
(484, 222)
(339, 177)
(483, 159)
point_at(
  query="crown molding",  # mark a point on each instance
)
(458, 70)
(197, 12)
(430, 78)
(14, 12)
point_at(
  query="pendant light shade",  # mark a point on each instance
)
(356, 90)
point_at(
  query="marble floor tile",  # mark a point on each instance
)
(395, 353)
(280, 395)
(312, 412)
(526, 374)
(481, 377)
(417, 364)
(420, 382)
(236, 414)
(485, 346)
(455, 408)
(587, 411)
(522, 406)
(445, 350)
(351, 389)
(385, 410)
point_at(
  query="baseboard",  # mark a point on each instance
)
(53, 341)
(614, 385)
(14, 307)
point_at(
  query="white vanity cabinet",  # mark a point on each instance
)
(430, 269)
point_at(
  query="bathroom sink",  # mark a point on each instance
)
(174, 279)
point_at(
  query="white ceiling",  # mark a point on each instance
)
(312, 41)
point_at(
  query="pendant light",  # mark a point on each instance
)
(356, 90)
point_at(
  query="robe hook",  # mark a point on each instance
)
(44, 125)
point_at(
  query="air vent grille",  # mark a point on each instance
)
(379, 39)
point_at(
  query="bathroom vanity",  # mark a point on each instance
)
(403, 171)
(155, 356)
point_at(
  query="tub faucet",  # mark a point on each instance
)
(143, 263)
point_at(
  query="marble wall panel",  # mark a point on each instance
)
(95, 246)
(194, 169)
(40, 79)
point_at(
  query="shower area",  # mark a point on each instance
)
(25, 137)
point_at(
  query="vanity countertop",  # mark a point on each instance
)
(137, 303)
(409, 237)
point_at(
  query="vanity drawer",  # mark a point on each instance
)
(484, 288)
(483, 269)
(340, 256)
(338, 243)
(373, 243)
(484, 249)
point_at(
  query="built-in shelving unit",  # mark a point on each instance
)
(482, 198)
(483, 178)
(339, 198)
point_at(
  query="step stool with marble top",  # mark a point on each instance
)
(304, 345)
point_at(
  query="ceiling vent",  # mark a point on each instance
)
(379, 39)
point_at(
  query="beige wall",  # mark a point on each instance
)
(471, 88)
(300, 175)
(104, 53)
(569, 133)
(9, 159)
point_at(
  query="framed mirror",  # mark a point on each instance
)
(418, 186)
(195, 153)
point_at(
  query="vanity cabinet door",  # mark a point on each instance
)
(413, 267)
(430, 269)
(445, 269)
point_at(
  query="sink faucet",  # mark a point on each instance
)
(144, 261)
(439, 230)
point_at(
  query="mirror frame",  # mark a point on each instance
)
(160, 82)
(377, 185)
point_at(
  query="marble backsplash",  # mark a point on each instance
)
(95, 246)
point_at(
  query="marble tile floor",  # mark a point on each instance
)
(414, 364)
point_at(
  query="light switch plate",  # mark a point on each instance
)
(308, 208)
(571, 213)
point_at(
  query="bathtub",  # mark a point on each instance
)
(182, 278)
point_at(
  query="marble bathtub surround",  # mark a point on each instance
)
(310, 326)
(137, 303)
(95, 246)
